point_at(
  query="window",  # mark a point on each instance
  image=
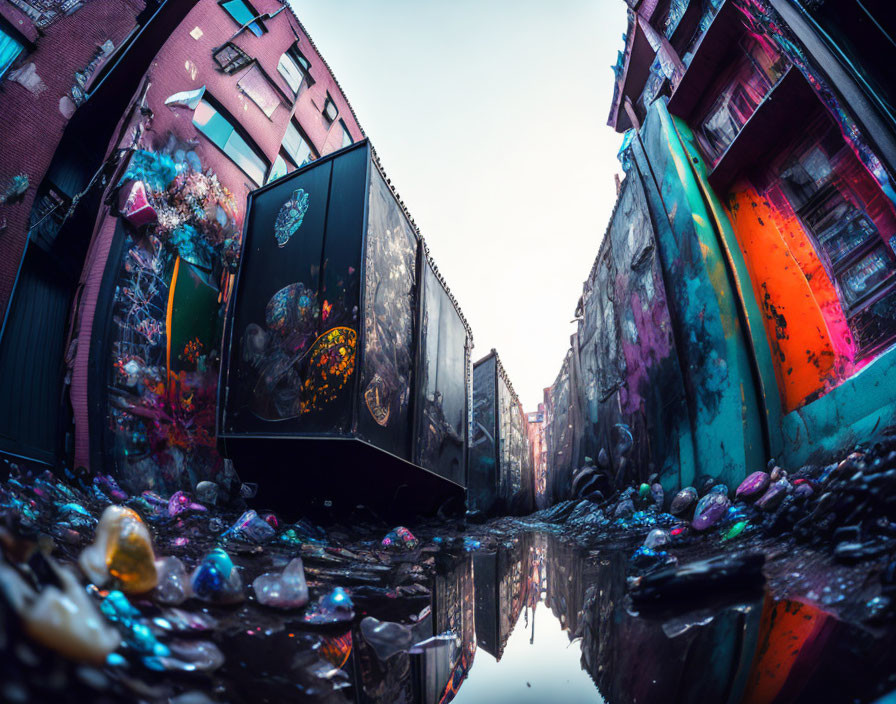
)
(755, 72)
(295, 69)
(346, 136)
(297, 146)
(219, 129)
(257, 86)
(243, 13)
(230, 58)
(330, 111)
(10, 48)
(849, 219)
(279, 169)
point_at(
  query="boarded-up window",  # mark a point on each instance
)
(259, 88)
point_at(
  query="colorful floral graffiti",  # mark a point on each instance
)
(179, 254)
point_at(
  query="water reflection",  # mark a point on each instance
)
(538, 620)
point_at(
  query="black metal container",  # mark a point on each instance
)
(345, 372)
(500, 474)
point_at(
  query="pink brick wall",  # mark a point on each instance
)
(32, 125)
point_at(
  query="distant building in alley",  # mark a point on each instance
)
(742, 305)
(537, 454)
(500, 476)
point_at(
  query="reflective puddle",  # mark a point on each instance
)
(540, 621)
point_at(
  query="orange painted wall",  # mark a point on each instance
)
(808, 360)
(786, 629)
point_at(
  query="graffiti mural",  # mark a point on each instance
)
(295, 346)
(181, 245)
(442, 398)
(482, 480)
(390, 290)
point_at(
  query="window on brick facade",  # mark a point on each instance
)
(10, 48)
(330, 112)
(243, 13)
(230, 58)
(279, 169)
(346, 136)
(296, 145)
(295, 69)
(219, 128)
(257, 86)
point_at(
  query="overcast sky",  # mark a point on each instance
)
(490, 119)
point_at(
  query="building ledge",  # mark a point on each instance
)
(709, 55)
(637, 70)
(790, 96)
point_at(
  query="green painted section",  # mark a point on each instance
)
(752, 315)
(724, 406)
(852, 412)
(194, 319)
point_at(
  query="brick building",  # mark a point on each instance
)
(204, 101)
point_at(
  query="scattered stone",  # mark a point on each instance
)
(735, 530)
(656, 538)
(174, 583)
(335, 607)
(207, 493)
(122, 550)
(710, 509)
(180, 502)
(624, 508)
(683, 501)
(386, 637)
(401, 537)
(63, 618)
(284, 590)
(657, 495)
(773, 496)
(753, 486)
(215, 579)
(251, 528)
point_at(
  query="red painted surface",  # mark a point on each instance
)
(803, 352)
(28, 142)
(791, 635)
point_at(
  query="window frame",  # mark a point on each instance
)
(248, 25)
(346, 133)
(329, 101)
(256, 66)
(312, 152)
(239, 130)
(230, 68)
(24, 45)
(294, 54)
(733, 82)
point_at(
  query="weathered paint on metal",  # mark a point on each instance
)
(724, 405)
(804, 352)
(853, 411)
(758, 349)
(652, 399)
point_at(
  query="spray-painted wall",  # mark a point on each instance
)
(719, 328)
